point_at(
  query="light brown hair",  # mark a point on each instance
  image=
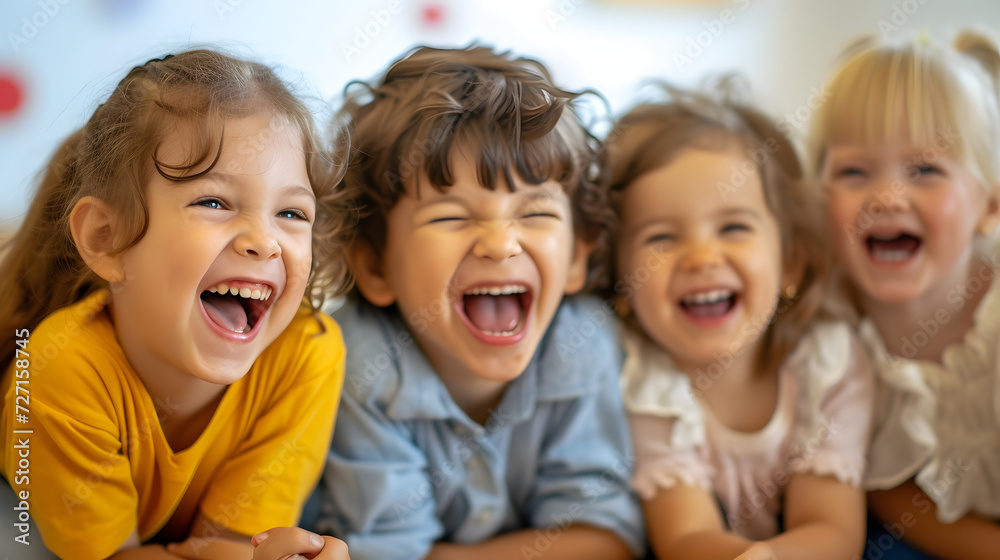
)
(113, 157)
(503, 110)
(652, 135)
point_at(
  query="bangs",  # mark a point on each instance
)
(894, 95)
(915, 95)
(497, 155)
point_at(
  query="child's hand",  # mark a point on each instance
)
(758, 551)
(284, 543)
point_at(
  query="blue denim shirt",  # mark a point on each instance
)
(408, 467)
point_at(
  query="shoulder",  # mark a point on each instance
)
(580, 349)
(378, 340)
(76, 365)
(828, 353)
(653, 386)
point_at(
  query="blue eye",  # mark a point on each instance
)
(293, 214)
(213, 203)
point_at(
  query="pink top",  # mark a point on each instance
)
(820, 426)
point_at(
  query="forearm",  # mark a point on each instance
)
(817, 541)
(913, 517)
(574, 542)
(147, 552)
(707, 545)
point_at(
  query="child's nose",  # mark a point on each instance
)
(701, 255)
(498, 241)
(890, 194)
(257, 242)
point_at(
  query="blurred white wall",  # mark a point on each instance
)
(64, 56)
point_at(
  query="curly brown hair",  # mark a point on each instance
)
(505, 109)
(113, 156)
(650, 136)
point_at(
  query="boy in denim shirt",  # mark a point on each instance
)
(481, 413)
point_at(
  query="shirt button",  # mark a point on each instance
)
(484, 516)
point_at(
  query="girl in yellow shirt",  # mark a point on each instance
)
(169, 392)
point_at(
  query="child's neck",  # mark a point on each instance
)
(478, 398)
(742, 396)
(922, 328)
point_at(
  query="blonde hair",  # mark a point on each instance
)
(920, 93)
(112, 158)
(651, 136)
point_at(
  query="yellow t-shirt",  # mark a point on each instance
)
(99, 466)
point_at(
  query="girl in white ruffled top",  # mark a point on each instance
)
(750, 414)
(907, 147)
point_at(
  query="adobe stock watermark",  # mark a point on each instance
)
(609, 480)
(895, 531)
(797, 460)
(366, 33)
(899, 17)
(798, 119)
(885, 199)
(697, 44)
(741, 172)
(31, 26)
(562, 12)
(225, 7)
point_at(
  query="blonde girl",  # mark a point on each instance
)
(907, 148)
(749, 414)
(175, 388)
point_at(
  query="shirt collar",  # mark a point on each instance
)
(575, 345)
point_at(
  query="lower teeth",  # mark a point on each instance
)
(891, 255)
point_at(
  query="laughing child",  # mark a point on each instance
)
(174, 387)
(481, 415)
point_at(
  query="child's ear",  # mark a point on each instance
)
(92, 224)
(576, 278)
(369, 274)
(988, 220)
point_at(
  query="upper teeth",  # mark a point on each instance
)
(708, 297)
(261, 293)
(496, 290)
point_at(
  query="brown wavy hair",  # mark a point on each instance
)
(650, 136)
(112, 158)
(506, 109)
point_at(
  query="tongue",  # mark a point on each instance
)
(225, 311)
(493, 313)
(902, 243)
(708, 310)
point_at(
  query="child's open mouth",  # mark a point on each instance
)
(238, 307)
(893, 248)
(709, 305)
(496, 314)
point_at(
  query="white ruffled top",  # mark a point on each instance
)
(820, 425)
(941, 421)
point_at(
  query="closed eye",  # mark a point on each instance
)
(446, 219)
(735, 228)
(849, 172)
(661, 238)
(541, 215)
(925, 169)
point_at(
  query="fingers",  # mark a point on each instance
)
(333, 549)
(286, 542)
